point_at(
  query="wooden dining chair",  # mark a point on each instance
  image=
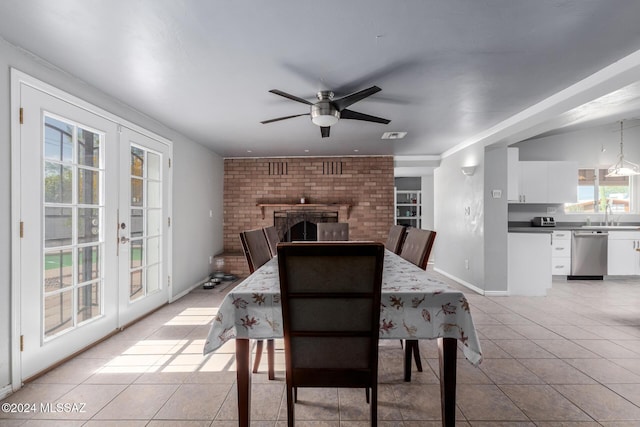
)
(333, 231)
(330, 296)
(273, 239)
(416, 249)
(256, 251)
(396, 237)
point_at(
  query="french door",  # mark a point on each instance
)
(93, 217)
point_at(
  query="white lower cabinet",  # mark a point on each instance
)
(561, 253)
(529, 263)
(623, 253)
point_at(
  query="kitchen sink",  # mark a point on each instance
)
(611, 227)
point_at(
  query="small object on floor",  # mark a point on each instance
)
(229, 277)
(211, 283)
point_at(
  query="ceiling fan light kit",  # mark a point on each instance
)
(326, 112)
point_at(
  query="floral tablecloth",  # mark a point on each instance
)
(415, 305)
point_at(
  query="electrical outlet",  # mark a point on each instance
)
(210, 259)
(466, 264)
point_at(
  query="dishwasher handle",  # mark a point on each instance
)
(590, 234)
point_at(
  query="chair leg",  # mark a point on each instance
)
(411, 348)
(291, 392)
(374, 405)
(256, 361)
(270, 358)
(366, 390)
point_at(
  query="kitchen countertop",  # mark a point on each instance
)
(525, 227)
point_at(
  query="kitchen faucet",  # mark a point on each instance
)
(607, 212)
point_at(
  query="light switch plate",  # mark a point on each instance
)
(496, 194)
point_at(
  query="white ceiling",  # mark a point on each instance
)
(449, 70)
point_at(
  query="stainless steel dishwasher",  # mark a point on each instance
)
(588, 254)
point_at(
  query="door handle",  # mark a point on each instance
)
(124, 240)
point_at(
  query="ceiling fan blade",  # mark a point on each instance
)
(354, 115)
(283, 118)
(324, 131)
(292, 97)
(345, 101)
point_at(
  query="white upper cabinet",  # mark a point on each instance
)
(540, 181)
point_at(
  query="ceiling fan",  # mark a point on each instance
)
(327, 111)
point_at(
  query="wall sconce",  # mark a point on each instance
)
(468, 170)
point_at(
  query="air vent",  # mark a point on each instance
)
(394, 135)
(332, 168)
(278, 168)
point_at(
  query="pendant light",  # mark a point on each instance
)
(622, 166)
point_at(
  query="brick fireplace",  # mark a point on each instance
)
(357, 190)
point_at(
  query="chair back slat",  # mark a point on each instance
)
(256, 248)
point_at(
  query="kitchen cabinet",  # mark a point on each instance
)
(540, 181)
(408, 208)
(623, 253)
(529, 263)
(561, 253)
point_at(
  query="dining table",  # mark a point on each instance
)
(415, 304)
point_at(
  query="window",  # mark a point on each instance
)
(596, 190)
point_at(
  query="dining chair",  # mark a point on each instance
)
(416, 249)
(333, 231)
(256, 251)
(273, 239)
(396, 237)
(330, 297)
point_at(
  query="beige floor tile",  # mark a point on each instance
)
(137, 401)
(118, 423)
(466, 373)
(419, 402)
(631, 392)
(567, 424)
(535, 332)
(74, 371)
(609, 349)
(501, 424)
(523, 349)
(499, 332)
(556, 371)
(492, 351)
(543, 403)
(508, 371)
(487, 403)
(604, 371)
(34, 394)
(194, 402)
(314, 404)
(630, 364)
(572, 332)
(633, 345)
(600, 403)
(565, 349)
(83, 402)
(178, 423)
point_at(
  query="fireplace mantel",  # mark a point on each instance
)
(304, 205)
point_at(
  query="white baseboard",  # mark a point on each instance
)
(186, 291)
(462, 282)
(496, 293)
(5, 391)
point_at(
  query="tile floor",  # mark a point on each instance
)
(569, 359)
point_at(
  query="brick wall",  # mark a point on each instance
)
(366, 183)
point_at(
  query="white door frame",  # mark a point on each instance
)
(19, 78)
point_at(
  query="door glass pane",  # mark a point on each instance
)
(88, 148)
(154, 199)
(57, 227)
(88, 187)
(137, 253)
(58, 140)
(58, 181)
(153, 166)
(136, 285)
(137, 161)
(153, 279)
(154, 222)
(88, 302)
(57, 270)
(137, 223)
(88, 225)
(58, 313)
(137, 192)
(153, 250)
(72, 283)
(88, 263)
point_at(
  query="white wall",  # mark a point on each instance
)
(197, 181)
(427, 202)
(459, 217)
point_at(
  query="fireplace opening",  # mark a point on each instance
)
(302, 231)
(300, 225)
